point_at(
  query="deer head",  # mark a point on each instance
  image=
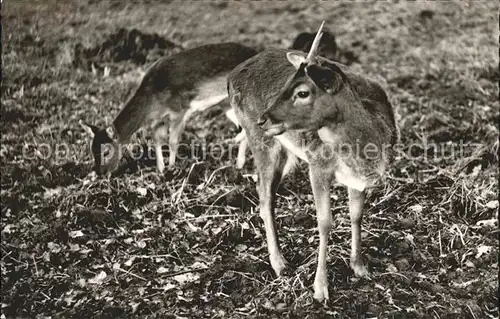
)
(105, 149)
(309, 98)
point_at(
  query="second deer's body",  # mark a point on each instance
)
(173, 87)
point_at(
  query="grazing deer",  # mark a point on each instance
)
(290, 106)
(175, 86)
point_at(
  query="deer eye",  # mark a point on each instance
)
(303, 94)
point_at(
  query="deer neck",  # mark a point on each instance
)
(351, 116)
(131, 117)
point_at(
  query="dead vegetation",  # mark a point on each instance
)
(190, 243)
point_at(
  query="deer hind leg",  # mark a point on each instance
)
(177, 124)
(356, 202)
(241, 139)
(270, 161)
(160, 135)
(320, 182)
(242, 150)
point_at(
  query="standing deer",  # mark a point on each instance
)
(175, 86)
(295, 106)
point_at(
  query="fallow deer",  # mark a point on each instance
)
(176, 86)
(295, 106)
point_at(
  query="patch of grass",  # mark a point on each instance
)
(190, 243)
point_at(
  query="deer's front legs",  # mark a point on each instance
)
(266, 196)
(356, 202)
(270, 162)
(320, 182)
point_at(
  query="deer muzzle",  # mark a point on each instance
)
(270, 126)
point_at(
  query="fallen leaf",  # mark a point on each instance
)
(492, 205)
(168, 287)
(99, 278)
(53, 247)
(417, 208)
(187, 277)
(161, 270)
(74, 247)
(9, 228)
(75, 234)
(51, 192)
(199, 264)
(129, 262)
(392, 268)
(141, 244)
(142, 191)
(487, 223)
(483, 249)
(241, 247)
(462, 285)
(192, 227)
(410, 238)
(134, 306)
(81, 282)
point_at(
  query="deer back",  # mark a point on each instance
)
(171, 80)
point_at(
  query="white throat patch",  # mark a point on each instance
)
(292, 147)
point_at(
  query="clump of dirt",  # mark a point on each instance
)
(123, 45)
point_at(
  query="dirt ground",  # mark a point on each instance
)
(190, 243)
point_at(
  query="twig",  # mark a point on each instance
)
(184, 182)
(152, 256)
(172, 274)
(131, 274)
(215, 201)
(6, 255)
(209, 180)
(45, 295)
(212, 216)
(393, 273)
(34, 262)
(440, 246)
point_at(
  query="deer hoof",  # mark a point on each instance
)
(279, 264)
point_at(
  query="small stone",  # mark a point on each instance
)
(492, 205)
(391, 268)
(403, 246)
(407, 223)
(281, 307)
(403, 264)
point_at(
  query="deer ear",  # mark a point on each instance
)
(329, 80)
(90, 129)
(295, 59)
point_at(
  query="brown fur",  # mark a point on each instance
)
(175, 86)
(340, 107)
(174, 80)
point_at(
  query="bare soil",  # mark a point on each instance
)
(190, 243)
